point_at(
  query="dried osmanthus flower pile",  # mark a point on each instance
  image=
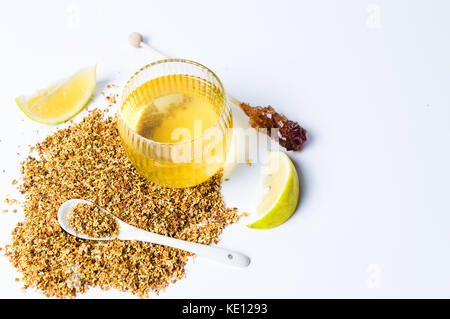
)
(91, 221)
(87, 161)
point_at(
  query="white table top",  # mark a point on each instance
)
(368, 79)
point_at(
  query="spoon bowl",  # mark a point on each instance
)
(63, 219)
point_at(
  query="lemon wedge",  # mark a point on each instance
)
(280, 192)
(60, 101)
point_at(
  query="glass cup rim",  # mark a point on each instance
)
(147, 140)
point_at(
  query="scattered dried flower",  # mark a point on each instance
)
(87, 161)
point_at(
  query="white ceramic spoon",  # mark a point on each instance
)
(128, 232)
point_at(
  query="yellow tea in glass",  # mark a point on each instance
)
(174, 122)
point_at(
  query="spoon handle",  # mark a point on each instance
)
(226, 256)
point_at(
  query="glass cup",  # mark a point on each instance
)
(180, 164)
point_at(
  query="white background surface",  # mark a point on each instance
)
(368, 79)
